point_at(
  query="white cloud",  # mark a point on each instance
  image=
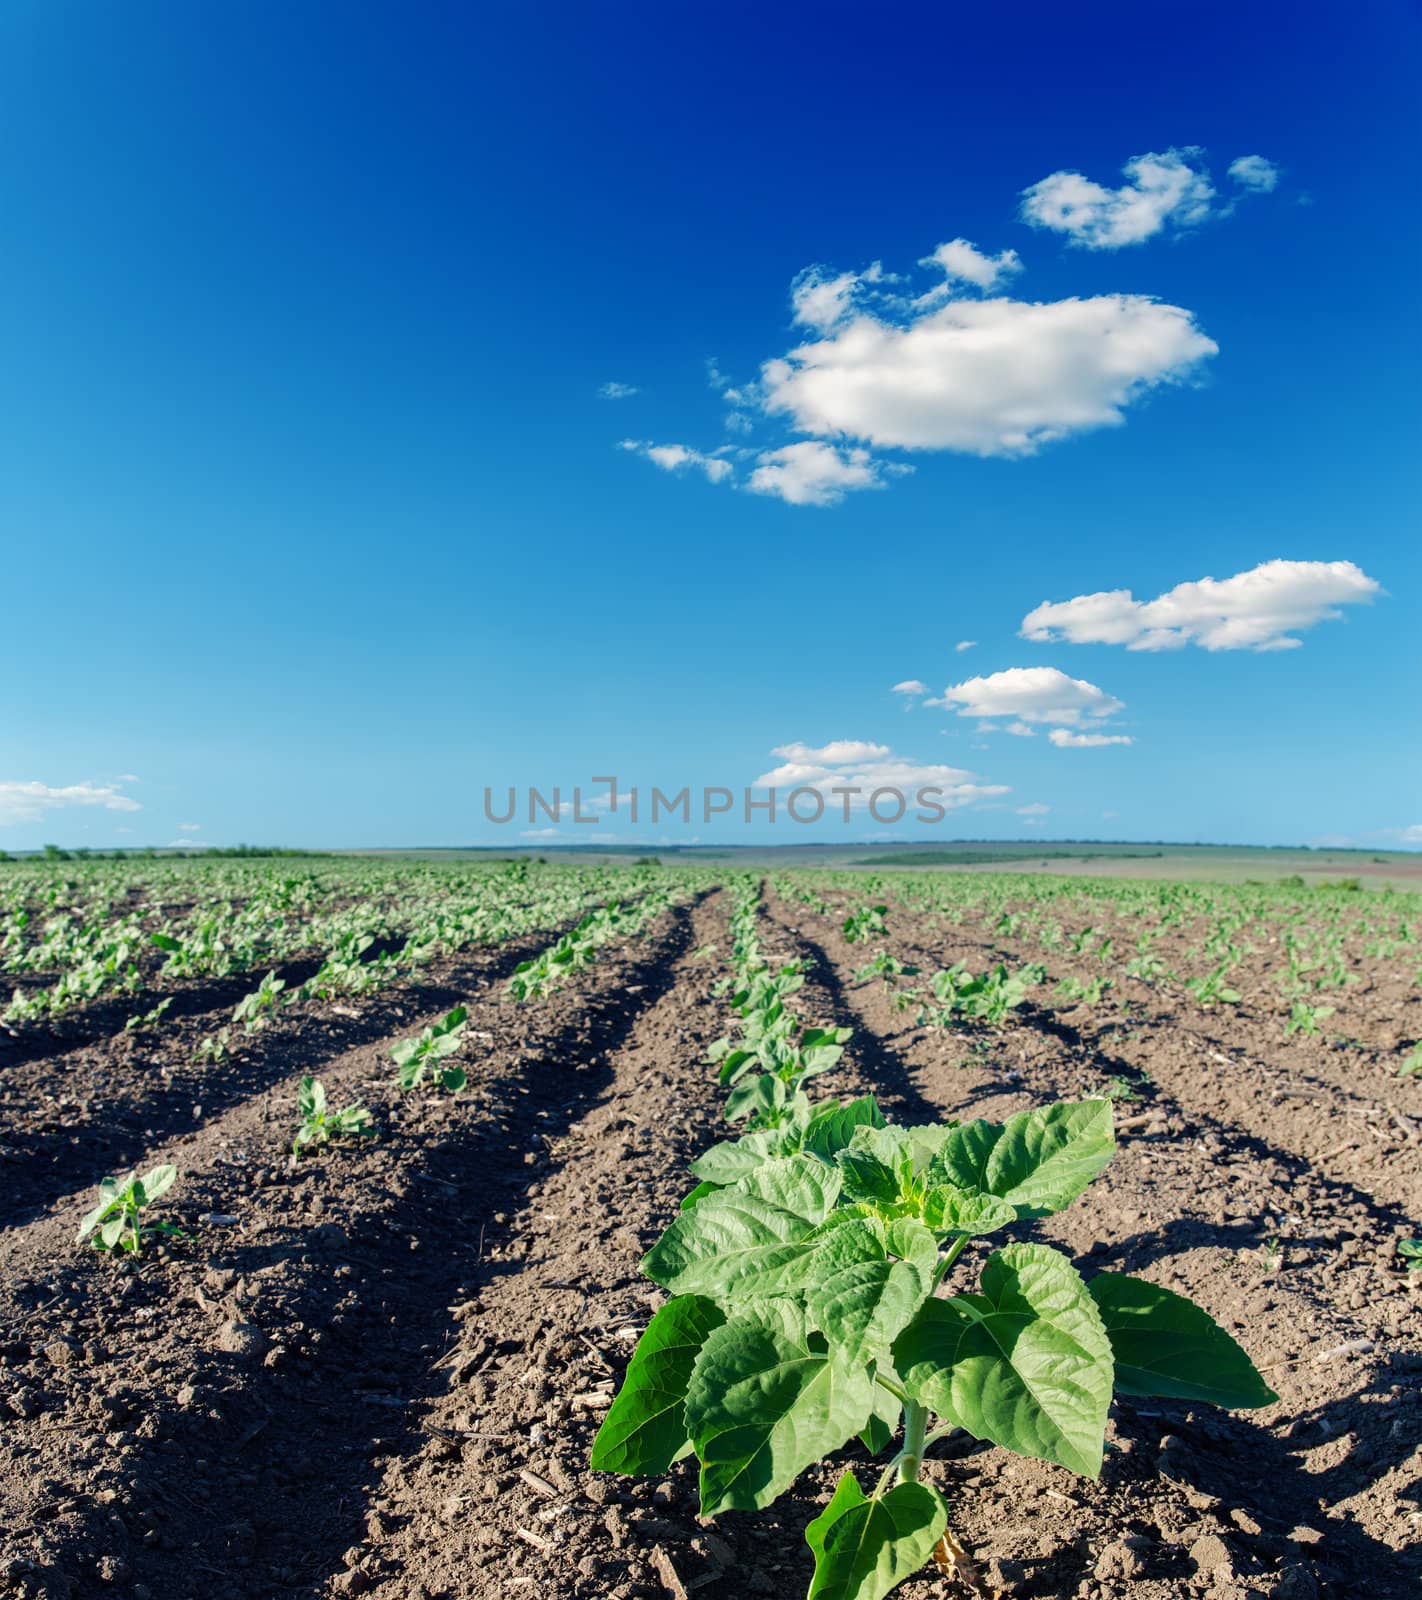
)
(910, 686)
(673, 457)
(540, 833)
(187, 843)
(190, 827)
(1030, 694)
(1065, 740)
(986, 377)
(1412, 834)
(1036, 809)
(1021, 729)
(1253, 610)
(813, 474)
(820, 299)
(28, 802)
(962, 262)
(1254, 173)
(834, 754)
(618, 391)
(1163, 191)
(856, 764)
(965, 644)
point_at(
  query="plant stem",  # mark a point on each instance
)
(946, 1265)
(915, 1429)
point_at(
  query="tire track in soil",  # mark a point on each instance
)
(189, 1431)
(92, 1127)
(1338, 1457)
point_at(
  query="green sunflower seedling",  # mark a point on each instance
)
(118, 1223)
(318, 1124)
(1305, 1019)
(814, 1301)
(416, 1057)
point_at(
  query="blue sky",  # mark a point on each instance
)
(315, 520)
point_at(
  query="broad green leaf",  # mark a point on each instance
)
(1026, 1363)
(927, 1139)
(950, 1210)
(833, 1127)
(159, 1180)
(863, 1308)
(884, 1421)
(734, 1158)
(645, 1430)
(907, 1238)
(864, 1547)
(767, 1400)
(1039, 1160)
(1166, 1345)
(698, 1194)
(877, 1164)
(740, 1238)
(165, 941)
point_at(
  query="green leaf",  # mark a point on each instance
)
(1026, 1363)
(738, 1239)
(949, 1210)
(645, 1430)
(884, 1421)
(1039, 1160)
(861, 1309)
(736, 1158)
(907, 1238)
(864, 1547)
(832, 1127)
(159, 1180)
(1166, 1345)
(165, 941)
(766, 1401)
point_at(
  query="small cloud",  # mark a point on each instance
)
(22, 802)
(1028, 695)
(1021, 729)
(1260, 609)
(962, 262)
(965, 644)
(1109, 816)
(910, 686)
(1066, 740)
(1036, 809)
(190, 827)
(540, 833)
(810, 473)
(1255, 173)
(618, 391)
(1171, 190)
(676, 457)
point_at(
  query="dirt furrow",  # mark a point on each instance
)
(1304, 1495)
(213, 1423)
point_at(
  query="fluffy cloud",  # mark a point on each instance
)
(819, 299)
(618, 391)
(985, 377)
(965, 644)
(910, 686)
(1064, 739)
(856, 764)
(813, 474)
(1030, 694)
(1162, 191)
(674, 457)
(1253, 610)
(28, 802)
(834, 754)
(962, 262)
(1255, 174)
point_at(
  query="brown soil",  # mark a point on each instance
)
(380, 1372)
